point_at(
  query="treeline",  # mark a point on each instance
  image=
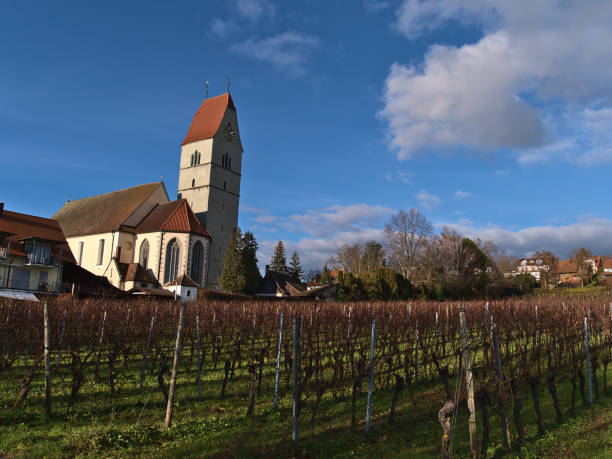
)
(413, 261)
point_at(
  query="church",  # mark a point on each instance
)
(138, 238)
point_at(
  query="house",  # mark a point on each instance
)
(606, 266)
(184, 287)
(594, 264)
(136, 237)
(534, 266)
(568, 272)
(279, 285)
(33, 251)
(316, 282)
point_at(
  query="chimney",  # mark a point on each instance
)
(1, 209)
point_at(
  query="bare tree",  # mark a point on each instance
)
(406, 237)
(373, 257)
(580, 256)
(348, 259)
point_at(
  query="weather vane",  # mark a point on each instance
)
(206, 97)
(229, 82)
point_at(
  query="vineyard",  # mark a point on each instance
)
(475, 373)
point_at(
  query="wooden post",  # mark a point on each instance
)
(469, 381)
(177, 354)
(47, 338)
(100, 346)
(144, 360)
(371, 381)
(199, 344)
(500, 385)
(296, 392)
(278, 361)
(61, 338)
(588, 359)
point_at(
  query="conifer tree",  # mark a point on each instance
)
(279, 259)
(325, 276)
(295, 267)
(251, 272)
(232, 278)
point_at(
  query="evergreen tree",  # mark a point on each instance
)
(295, 267)
(249, 263)
(325, 276)
(279, 259)
(232, 278)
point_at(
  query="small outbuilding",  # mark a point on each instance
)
(184, 287)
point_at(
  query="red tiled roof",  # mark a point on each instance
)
(175, 216)
(567, 266)
(104, 212)
(24, 226)
(208, 118)
(607, 263)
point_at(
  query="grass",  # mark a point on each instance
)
(130, 423)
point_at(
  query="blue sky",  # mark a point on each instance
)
(494, 118)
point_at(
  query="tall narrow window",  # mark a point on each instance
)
(193, 183)
(192, 163)
(144, 254)
(229, 163)
(173, 254)
(197, 258)
(81, 247)
(224, 185)
(100, 251)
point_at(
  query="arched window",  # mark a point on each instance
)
(193, 183)
(173, 255)
(144, 254)
(197, 157)
(197, 259)
(192, 159)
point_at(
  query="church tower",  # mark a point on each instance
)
(209, 175)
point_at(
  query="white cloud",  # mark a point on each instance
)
(537, 62)
(222, 28)
(400, 177)
(594, 234)
(287, 51)
(317, 234)
(255, 9)
(459, 194)
(584, 138)
(374, 6)
(428, 200)
(335, 219)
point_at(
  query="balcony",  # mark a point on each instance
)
(40, 259)
(32, 285)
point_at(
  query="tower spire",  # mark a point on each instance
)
(229, 82)
(206, 94)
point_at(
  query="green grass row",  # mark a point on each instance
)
(130, 423)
